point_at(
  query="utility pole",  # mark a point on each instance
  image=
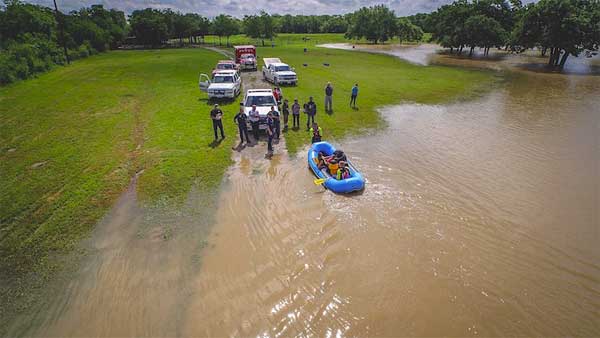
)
(61, 32)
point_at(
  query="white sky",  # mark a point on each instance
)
(211, 8)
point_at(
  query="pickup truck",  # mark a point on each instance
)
(264, 100)
(225, 65)
(278, 72)
(224, 84)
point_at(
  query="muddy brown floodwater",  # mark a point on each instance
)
(478, 218)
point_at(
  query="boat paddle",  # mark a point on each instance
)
(319, 181)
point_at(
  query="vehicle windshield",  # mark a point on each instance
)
(247, 56)
(282, 68)
(260, 101)
(225, 66)
(222, 79)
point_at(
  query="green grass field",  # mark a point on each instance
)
(72, 139)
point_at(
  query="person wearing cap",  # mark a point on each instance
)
(241, 120)
(296, 114)
(311, 111)
(329, 97)
(216, 115)
(254, 118)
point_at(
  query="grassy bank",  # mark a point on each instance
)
(382, 80)
(72, 139)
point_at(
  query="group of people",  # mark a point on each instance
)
(336, 164)
(273, 121)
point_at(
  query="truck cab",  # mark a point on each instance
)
(225, 65)
(223, 84)
(264, 100)
(245, 57)
(278, 72)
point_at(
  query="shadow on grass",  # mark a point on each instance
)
(215, 143)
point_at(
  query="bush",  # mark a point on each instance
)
(32, 55)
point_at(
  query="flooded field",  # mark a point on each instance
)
(479, 218)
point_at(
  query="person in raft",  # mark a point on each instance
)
(343, 172)
(353, 95)
(241, 120)
(296, 114)
(216, 115)
(286, 114)
(270, 133)
(316, 132)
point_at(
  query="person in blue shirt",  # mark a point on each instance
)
(354, 95)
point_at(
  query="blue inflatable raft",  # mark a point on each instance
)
(355, 182)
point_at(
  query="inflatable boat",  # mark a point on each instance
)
(355, 182)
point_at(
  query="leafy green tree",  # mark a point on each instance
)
(377, 23)
(21, 18)
(565, 27)
(334, 24)
(485, 32)
(225, 25)
(149, 26)
(260, 27)
(407, 31)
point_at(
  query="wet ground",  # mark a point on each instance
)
(479, 218)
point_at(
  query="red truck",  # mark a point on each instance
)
(245, 56)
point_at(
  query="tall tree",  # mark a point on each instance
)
(149, 26)
(261, 27)
(377, 23)
(407, 31)
(565, 27)
(225, 25)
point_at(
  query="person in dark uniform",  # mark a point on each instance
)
(276, 122)
(270, 133)
(242, 121)
(216, 115)
(311, 111)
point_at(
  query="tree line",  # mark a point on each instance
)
(558, 28)
(33, 38)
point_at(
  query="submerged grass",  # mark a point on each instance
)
(72, 139)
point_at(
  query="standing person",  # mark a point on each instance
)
(241, 120)
(329, 97)
(286, 114)
(354, 95)
(270, 134)
(216, 115)
(296, 114)
(276, 122)
(277, 94)
(254, 121)
(311, 111)
(316, 133)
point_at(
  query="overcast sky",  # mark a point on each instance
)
(238, 8)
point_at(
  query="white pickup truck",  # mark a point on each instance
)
(278, 72)
(224, 84)
(263, 99)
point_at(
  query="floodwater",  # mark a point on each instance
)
(479, 218)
